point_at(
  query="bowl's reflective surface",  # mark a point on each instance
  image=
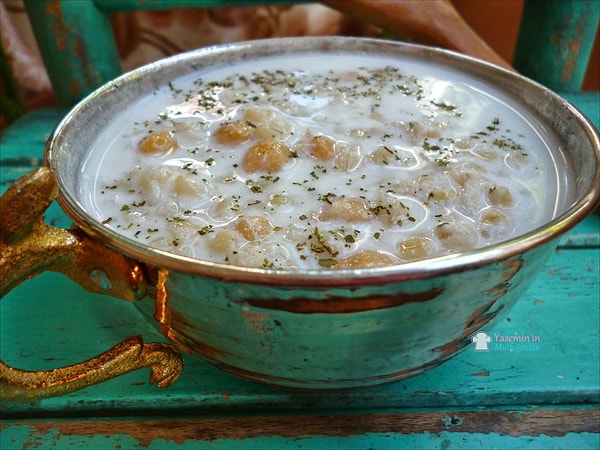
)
(321, 337)
(331, 329)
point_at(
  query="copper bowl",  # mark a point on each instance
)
(326, 329)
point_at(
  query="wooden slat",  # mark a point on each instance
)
(310, 429)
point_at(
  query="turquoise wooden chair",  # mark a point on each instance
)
(79, 51)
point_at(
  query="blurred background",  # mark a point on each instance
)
(143, 37)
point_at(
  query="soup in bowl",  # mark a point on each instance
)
(326, 213)
(287, 162)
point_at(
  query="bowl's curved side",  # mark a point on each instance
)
(335, 338)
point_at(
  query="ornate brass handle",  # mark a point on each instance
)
(28, 246)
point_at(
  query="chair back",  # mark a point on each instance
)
(80, 54)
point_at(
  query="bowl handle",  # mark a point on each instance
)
(28, 247)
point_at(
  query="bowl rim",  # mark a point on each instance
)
(420, 269)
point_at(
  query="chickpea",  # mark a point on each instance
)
(186, 185)
(159, 174)
(222, 209)
(278, 128)
(462, 178)
(365, 259)
(253, 228)
(391, 210)
(322, 148)
(295, 233)
(500, 195)
(349, 209)
(278, 199)
(516, 161)
(234, 133)
(267, 156)
(266, 256)
(225, 241)
(457, 237)
(435, 188)
(181, 231)
(158, 143)
(347, 158)
(258, 115)
(383, 156)
(417, 247)
(490, 222)
(493, 216)
(466, 174)
(152, 182)
(404, 186)
(430, 130)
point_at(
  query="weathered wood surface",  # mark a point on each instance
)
(536, 428)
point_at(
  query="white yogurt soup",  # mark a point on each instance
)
(323, 162)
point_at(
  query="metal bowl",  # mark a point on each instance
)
(331, 329)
